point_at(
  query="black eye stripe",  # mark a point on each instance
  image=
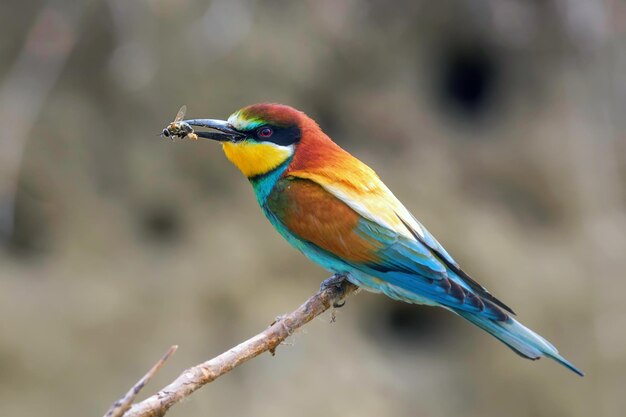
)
(283, 136)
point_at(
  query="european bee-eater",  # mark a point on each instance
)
(336, 210)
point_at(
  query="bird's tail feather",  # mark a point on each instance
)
(521, 339)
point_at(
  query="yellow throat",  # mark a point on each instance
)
(256, 158)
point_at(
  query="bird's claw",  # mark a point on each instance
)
(337, 281)
(334, 281)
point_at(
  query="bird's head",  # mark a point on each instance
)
(259, 138)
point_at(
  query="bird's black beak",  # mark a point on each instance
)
(226, 133)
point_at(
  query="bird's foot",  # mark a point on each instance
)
(334, 281)
(337, 281)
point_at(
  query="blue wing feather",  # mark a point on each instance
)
(467, 281)
(412, 266)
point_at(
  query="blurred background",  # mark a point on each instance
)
(499, 123)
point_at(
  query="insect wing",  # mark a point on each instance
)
(181, 113)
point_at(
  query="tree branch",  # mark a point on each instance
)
(122, 405)
(268, 340)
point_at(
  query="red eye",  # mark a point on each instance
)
(265, 132)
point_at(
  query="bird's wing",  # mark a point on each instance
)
(373, 244)
(361, 189)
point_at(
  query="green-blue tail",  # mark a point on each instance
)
(521, 339)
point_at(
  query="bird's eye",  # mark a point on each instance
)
(265, 132)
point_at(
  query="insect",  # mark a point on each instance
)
(178, 128)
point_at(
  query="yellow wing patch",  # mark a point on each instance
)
(363, 191)
(253, 158)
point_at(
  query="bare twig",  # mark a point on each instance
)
(123, 404)
(204, 373)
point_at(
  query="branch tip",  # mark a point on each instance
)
(206, 372)
(119, 408)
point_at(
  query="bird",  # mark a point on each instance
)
(337, 211)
